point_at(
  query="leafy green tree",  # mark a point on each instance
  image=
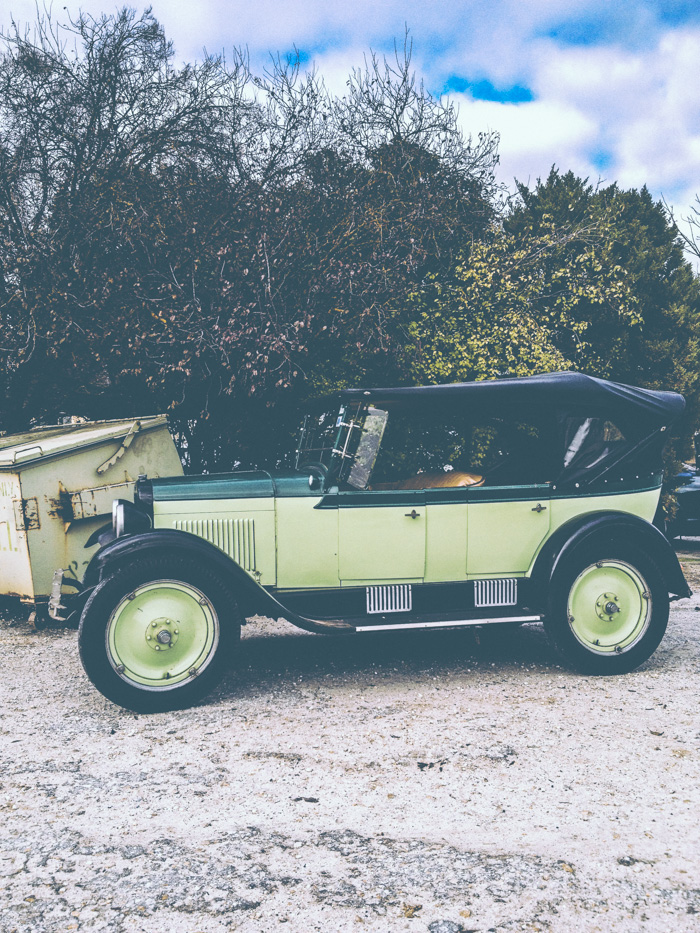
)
(574, 276)
(636, 238)
(659, 347)
(519, 304)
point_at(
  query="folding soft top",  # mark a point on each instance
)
(558, 394)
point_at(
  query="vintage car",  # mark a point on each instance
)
(487, 503)
(686, 521)
(686, 518)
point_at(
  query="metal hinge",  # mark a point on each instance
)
(126, 443)
(55, 604)
(26, 514)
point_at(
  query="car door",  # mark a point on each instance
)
(505, 527)
(381, 536)
(446, 535)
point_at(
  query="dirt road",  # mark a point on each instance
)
(421, 781)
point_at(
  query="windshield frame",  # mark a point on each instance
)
(347, 448)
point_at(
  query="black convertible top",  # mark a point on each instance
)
(557, 394)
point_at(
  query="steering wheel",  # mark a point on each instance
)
(318, 473)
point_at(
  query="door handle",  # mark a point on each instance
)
(413, 514)
(539, 508)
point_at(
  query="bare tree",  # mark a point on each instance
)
(204, 236)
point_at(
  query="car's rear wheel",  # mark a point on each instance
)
(157, 635)
(607, 611)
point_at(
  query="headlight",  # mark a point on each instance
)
(118, 517)
(127, 519)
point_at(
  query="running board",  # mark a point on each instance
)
(445, 624)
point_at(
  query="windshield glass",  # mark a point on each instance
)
(366, 454)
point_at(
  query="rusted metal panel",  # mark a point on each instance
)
(57, 485)
(26, 514)
(88, 503)
(15, 571)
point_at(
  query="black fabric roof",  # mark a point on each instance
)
(555, 394)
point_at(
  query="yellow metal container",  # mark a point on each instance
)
(57, 485)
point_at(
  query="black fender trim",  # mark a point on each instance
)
(75, 603)
(102, 536)
(611, 527)
(253, 599)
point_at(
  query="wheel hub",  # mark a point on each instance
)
(606, 606)
(162, 634)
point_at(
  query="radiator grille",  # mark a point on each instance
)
(235, 536)
(396, 598)
(495, 592)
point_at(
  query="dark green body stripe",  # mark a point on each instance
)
(481, 494)
(261, 485)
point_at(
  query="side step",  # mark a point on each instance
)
(449, 623)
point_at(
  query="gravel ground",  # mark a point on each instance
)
(438, 782)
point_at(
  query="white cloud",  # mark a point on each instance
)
(645, 104)
(533, 135)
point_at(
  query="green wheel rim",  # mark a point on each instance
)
(162, 634)
(609, 607)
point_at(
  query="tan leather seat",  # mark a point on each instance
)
(442, 480)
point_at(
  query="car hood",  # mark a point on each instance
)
(253, 484)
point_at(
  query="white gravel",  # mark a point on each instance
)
(420, 781)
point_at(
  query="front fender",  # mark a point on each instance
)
(610, 528)
(252, 598)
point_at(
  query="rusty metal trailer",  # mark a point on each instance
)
(57, 484)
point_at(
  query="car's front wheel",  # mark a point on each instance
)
(157, 635)
(607, 612)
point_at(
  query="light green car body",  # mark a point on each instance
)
(288, 542)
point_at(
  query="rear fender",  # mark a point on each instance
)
(610, 529)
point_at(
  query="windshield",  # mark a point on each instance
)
(345, 443)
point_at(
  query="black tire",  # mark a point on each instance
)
(165, 604)
(622, 604)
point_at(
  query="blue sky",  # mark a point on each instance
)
(608, 88)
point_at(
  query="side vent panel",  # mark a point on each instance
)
(395, 598)
(495, 593)
(235, 536)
